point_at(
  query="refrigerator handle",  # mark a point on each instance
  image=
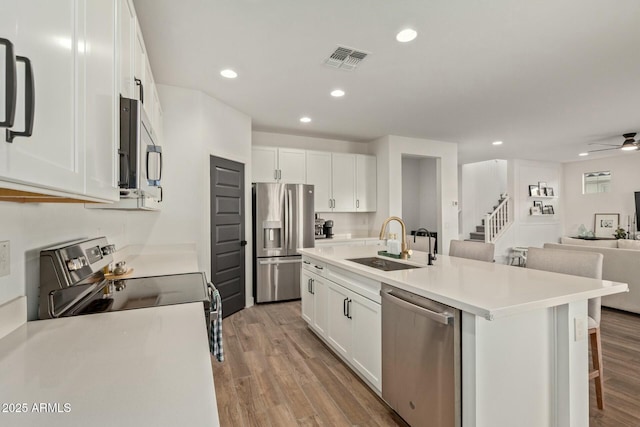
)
(289, 219)
(285, 244)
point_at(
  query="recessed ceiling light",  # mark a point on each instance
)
(229, 73)
(497, 142)
(305, 119)
(583, 154)
(337, 93)
(406, 35)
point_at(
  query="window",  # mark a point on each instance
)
(596, 182)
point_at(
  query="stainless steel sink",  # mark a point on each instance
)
(383, 264)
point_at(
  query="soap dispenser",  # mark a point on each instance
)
(393, 245)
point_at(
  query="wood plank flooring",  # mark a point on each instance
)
(278, 373)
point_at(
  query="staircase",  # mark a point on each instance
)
(495, 223)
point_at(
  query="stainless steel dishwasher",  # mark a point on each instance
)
(421, 358)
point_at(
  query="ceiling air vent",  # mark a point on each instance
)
(345, 58)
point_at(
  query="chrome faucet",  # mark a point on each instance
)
(405, 248)
(431, 256)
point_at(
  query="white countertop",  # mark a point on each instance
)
(485, 289)
(159, 260)
(130, 368)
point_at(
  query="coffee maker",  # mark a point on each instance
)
(319, 230)
(327, 228)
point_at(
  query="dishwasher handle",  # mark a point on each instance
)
(444, 318)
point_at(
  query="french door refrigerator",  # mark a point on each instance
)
(283, 222)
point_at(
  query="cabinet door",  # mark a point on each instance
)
(319, 175)
(319, 287)
(366, 353)
(307, 297)
(366, 183)
(97, 75)
(149, 90)
(126, 40)
(343, 179)
(45, 32)
(157, 115)
(264, 162)
(139, 62)
(291, 166)
(339, 332)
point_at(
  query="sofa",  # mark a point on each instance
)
(621, 264)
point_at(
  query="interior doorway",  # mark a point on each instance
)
(228, 232)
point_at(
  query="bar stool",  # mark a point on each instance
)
(472, 250)
(518, 253)
(585, 264)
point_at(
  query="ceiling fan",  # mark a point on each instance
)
(629, 144)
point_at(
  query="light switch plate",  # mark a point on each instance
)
(5, 260)
(580, 324)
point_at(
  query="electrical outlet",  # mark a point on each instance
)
(580, 325)
(5, 260)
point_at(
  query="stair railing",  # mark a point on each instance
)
(498, 221)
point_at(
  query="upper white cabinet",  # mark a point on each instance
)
(69, 47)
(366, 183)
(343, 179)
(126, 48)
(272, 164)
(319, 175)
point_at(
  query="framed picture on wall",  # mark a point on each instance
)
(548, 191)
(606, 224)
(534, 190)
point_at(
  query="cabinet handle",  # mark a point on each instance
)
(29, 101)
(139, 83)
(349, 309)
(275, 174)
(313, 291)
(161, 194)
(309, 285)
(318, 267)
(306, 262)
(344, 307)
(357, 203)
(11, 88)
(280, 174)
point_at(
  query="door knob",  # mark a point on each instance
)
(243, 243)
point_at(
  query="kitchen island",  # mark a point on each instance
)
(524, 350)
(140, 367)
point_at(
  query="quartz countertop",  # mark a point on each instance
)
(140, 367)
(159, 260)
(485, 289)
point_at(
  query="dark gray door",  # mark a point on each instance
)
(227, 232)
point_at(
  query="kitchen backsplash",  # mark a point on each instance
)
(357, 224)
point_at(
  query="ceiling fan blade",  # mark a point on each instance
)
(600, 143)
(605, 149)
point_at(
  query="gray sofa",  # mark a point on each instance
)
(620, 265)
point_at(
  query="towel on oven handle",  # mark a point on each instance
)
(215, 343)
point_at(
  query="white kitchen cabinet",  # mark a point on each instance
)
(367, 338)
(366, 183)
(98, 126)
(307, 303)
(339, 326)
(343, 179)
(319, 175)
(273, 164)
(139, 62)
(313, 291)
(51, 157)
(126, 48)
(70, 45)
(320, 297)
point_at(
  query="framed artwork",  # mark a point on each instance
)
(538, 203)
(606, 224)
(536, 210)
(534, 190)
(548, 209)
(548, 191)
(542, 185)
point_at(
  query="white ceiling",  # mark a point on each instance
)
(546, 77)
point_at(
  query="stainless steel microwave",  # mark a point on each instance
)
(139, 156)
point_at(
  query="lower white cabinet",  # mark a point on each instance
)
(314, 299)
(349, 322)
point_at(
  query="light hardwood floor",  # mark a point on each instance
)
(278, 373)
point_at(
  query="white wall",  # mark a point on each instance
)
(530, 230)
(580, 208)
(419, 193)
(195, 126)
(389, 151)
(482, 184)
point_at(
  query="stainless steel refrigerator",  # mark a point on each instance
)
(283, 222)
